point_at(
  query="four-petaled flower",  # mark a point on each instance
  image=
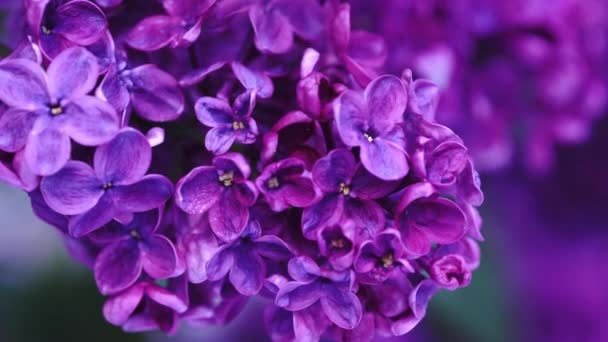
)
(286, 184)
(377, 259)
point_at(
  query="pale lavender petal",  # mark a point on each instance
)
(23, 84)
(81, 22)
(73, 73)
(248, 272)
(253, 80)
(303, 269)
(158, 256)
(119, 308)
(166, 298)
(213, 112)
(310, 323)
(386, 99)
(367, 48)
(89, 121)
(221, 262)
(272, 31)
(424, 98)
(219, 139)
(384, 159)
(100, 214)
(125, 159)
(117, 267)
(15, 127)
(295, 296)
(199, 190)
(342, 308)
(47, 152)
(72, 190)
(155, 94)
(151, 192)
(114, 90)
(351, 118)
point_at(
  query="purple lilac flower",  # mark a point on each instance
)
(222, 190)
(324, 183)
(46, 110)
(115, 186)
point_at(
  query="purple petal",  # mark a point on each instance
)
(228, 217)
(23, 84)
(89, 121)
(158, 256)
(15, 127)
(450, 272)
(335, 168)
(213, 112)
(303, 269)
(304, 16)
(125, 159)
(47, 152)
(351, 118)
(246, 193)
(424, 98)
(199, 190)
(340, 28)
(440, 219)
(367, 186)
(384, 159)
(295, 296)
(154, 32)
(81, 22)
(310, 323)
(367, 257)
(199, 248)
(73, 190)
(52, 44)
(367, 49)
(72, 74)
(187, 8)
(155, 94)
(220, 263)
(114, 90)
(299, 192)
(367, 215)
(342, 308)
(117, 267)
(420, 297)
(446, 162)
(273, 248)
(248, 272)
(166, 298)
(150, 192)
(272, 31)
(324, 213)
(99, 215)
(253, 80)
(386, 99)
(119, 308)
(278, 323)
(219, 139)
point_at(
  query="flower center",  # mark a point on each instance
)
(236, 125)
(107, 186)
(227, 178)
(46, 30)
(338, 243)
(368, 137)
(56, 109)
(135, 234)
(273, 183)
(387, 260)
(344, 189)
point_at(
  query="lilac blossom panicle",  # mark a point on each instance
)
(194, 154)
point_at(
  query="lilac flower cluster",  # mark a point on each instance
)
(194, 154)
(518, 76)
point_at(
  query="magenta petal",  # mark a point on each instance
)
(155, 94)
(299, 192)
(47, 152)
(440, 219)
(340, 28)
(295, 296)
(154, 32)
(246, 193)
(23, 84)
(93, 219)
(248, 272)
(73, 73)
(365, 214)
(15, 127)
(367, 48)
(324, 213)
(219, 139)
(220, 263)
(119, 308)
(386, 99)
(351, 118)
(150, 192)
(213, 112)
(304, 16)
(158, 256)
(199, 190)
(117, 267)
(81, 22)
(310, 323)
(228, 217)
(187, 8)
(384, 159)
(90, 121)
(342, 308)
(72, 190)
(272, 31)
(367, 186)
(125, 159)
(166, 298)
(335, 168)
(415, 241)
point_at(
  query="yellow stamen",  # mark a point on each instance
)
(387, 260)
(338, 243)
(56, 110)
(227, 178)
(344, 189)
(273, 183)
(368, 137)
(236, 125)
